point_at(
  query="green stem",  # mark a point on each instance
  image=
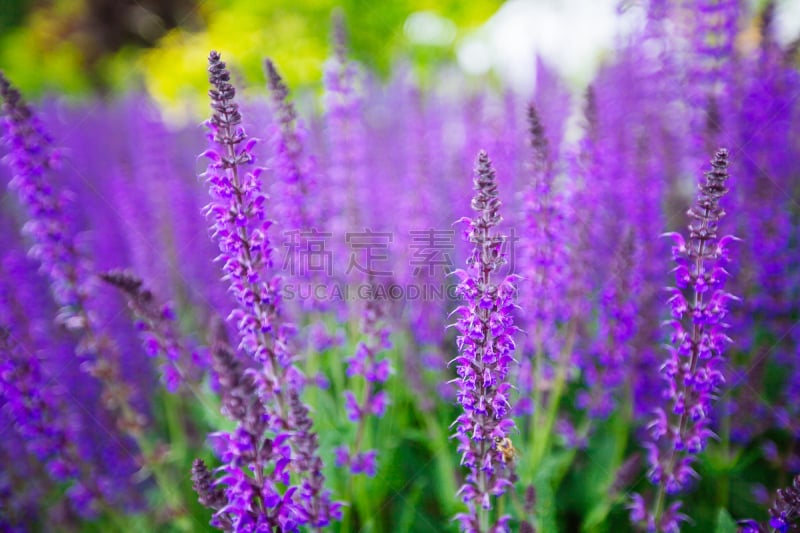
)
(542, 437)
(723, 484)
(164, 482)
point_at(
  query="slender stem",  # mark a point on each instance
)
(724, 482)
(543, 437)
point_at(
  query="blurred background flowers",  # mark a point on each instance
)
(80, 46)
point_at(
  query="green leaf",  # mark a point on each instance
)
(725, 522)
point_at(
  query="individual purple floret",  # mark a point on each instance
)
(241, 229)
(693, 371)
(485, 328)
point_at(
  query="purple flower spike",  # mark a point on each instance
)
(46, 425)
(693, 372)
(274, 434)
(156, 326)
(485, 327)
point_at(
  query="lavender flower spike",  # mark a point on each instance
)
(693, 371)
(485, 327)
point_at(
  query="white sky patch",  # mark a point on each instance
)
(571, 35)
(428, 28)
(474, 54)
(788, 20)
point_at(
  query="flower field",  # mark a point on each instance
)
(407, 305)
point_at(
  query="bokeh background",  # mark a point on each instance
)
(77, 47)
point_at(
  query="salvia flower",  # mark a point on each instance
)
(344, 115)
(241, 229)
(543, 245)
(693, 371)
(616, 330)
(209, 495)
(31, 158)
(249, 501)
(485, 328)
(544, 255)
(266, 440)
(711, 70)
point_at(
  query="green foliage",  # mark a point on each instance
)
(294, 34)
(725, 523)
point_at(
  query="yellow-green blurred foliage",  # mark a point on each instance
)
(54, 49)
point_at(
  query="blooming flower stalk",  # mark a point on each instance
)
(616, 330)
(693, 371)
(485, 328)
(549, 352)
(711, 71)
(344, 116)
(268, 442)
(49, 435)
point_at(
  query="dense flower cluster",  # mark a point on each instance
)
(31, 158)
(293, 171)
(617, 326)
(485, 327)
(51, 438)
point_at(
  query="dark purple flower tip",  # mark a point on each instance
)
(208, 494)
